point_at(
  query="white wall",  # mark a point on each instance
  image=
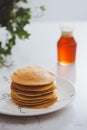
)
(62, 10)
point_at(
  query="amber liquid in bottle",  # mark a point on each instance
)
(66, 48)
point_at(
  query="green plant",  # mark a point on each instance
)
(13, 18)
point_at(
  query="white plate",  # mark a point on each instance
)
(66, 94)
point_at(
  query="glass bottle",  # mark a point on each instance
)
(66, 47)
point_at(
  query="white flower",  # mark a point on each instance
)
(4, 36)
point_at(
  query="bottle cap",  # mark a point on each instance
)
(66, 32)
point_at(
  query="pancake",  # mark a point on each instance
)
(32, 88)
(34, 98)
(32, 91)
(33, 76)
(44, 105)
(29, 102)
(33, 94)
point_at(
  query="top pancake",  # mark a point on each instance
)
(33, 76)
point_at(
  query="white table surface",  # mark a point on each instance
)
(40, 50)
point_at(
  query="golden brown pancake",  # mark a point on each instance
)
(44, 105)
(31, 93)
(29, 102)
(33, 76)
(32, 88)
(34, 98)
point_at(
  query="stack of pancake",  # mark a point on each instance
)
(33, 87)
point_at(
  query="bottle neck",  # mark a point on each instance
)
(67, 34)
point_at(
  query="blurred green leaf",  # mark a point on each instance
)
(42, 8)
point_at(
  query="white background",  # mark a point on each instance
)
(62, 10)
